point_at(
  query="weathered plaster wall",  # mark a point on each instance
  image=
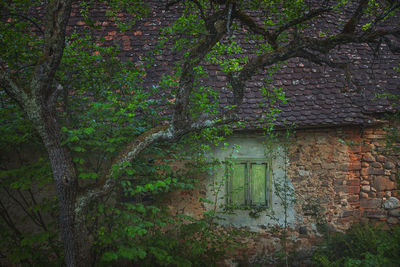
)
(251, 146)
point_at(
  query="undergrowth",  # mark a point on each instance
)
(362, 245)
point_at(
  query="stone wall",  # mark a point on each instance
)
(340, 176)
(347, 170)
(343, 170)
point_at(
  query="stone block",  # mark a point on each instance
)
(368, 157)
(347, 213)
(395, 212)
(304, 173)
(375, 171)
(339, 182)
(382, 183)
(375, 214)
(380, 158)
(364, 171)
(341, 188)
(370, 203)
(380, 194)
(376, 165)
(372, 194)
(354, 149)
(355, 166)
(391, 203)
(328, 166)
(353, 198)
(344, 167)
(363, 195)
(366, 188)
(389, 165)
(353, 189)
(325, 183)
(354, 182)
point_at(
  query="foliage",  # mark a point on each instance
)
(28, 209)
(362, 245)
(100, 114)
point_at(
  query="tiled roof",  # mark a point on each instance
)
(317, 95)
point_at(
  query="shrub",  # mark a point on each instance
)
(362, 245)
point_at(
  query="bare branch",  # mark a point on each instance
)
(393, 45)
(297, 48)
(237, 79)
(37, 26)
(322, 60)
(384, 15)
(272, 36)
(307, 16)
(247, 21)
(352, 23)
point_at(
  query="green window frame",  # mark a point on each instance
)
(248, 182)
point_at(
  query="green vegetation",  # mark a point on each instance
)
(89, 156)
(362, 245)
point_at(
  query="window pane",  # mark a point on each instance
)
(257, 183)
(237, 184)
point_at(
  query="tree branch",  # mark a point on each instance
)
(200, 9)
(247, 21)
(321, 60)
(37, 26)
(133, 149)
(12, 89)
(352, 23)
(237, 79)
(384, 15)
(296, 48)
(271, 37)
(307, 16)
(196, 55)
(56, 20)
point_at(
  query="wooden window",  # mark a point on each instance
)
(248, 182)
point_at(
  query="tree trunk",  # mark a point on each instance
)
(74, 236)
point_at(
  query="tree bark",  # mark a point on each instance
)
(73, 232)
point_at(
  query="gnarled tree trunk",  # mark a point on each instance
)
(73, 232)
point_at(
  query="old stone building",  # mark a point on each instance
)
(334, 166)
(336, 153)
(333, 169)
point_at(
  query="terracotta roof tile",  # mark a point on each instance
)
(317, 95)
